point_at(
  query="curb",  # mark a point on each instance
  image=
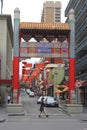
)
(16, 114)
(2, 118)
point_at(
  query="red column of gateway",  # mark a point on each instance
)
(16, 75)
(71, 77)
(16, 72)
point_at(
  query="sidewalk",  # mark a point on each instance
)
(3, 113)
(82, 116)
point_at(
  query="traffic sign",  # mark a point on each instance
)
(78, 83)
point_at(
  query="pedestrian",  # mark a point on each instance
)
(42, 108)
(9, 99)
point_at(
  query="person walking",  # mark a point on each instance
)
(42, 108)
(9, 99)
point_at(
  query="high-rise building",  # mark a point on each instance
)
(51, 12)
(80, 8)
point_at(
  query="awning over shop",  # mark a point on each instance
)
(61, 88)
(54, 65)
(65, 89)
(58, 91)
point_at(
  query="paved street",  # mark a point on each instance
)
(57, 120)
(32, 108)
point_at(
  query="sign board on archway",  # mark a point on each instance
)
(44, 49)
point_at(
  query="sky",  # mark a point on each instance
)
(30, 10)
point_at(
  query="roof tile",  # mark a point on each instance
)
(50, 26)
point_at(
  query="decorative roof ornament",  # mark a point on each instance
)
(71, 14)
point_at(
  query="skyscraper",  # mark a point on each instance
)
(51, 12)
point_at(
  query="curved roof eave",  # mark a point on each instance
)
(44, 26)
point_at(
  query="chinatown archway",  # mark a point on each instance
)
(57, 46)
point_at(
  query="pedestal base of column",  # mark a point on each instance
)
(73, 108)
(72, 97)
(15, 109)
(15, 96)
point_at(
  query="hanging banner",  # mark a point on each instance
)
(39, 65)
